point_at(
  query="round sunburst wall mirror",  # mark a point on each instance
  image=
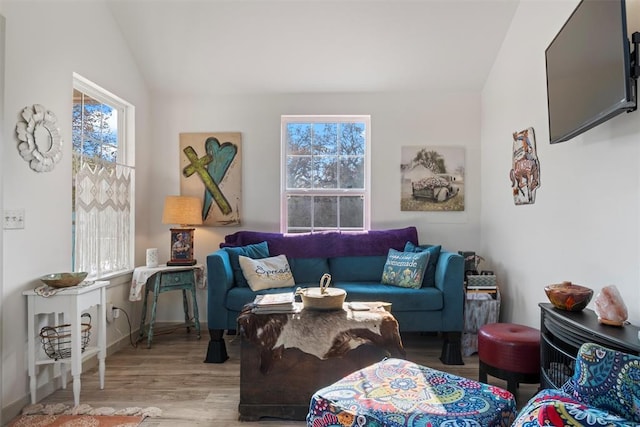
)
(40, 141)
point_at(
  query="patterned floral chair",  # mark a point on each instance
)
(604, 391)
(399, 393)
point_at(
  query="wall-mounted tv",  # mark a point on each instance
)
(589, 77)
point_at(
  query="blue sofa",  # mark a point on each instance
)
(355, 261)
(603, 391)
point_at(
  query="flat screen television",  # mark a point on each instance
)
(589, 69)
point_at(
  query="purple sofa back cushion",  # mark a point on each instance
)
(327, 244)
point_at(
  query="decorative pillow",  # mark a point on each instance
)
(434, 251)
(267, 273)
(607, 379)
(405, 269)
(255, 251)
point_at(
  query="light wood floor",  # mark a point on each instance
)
(172, 376)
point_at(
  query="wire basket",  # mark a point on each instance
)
(56, 340)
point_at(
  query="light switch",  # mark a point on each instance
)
(13, 219)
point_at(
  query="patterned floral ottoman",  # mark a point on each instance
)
(399, 393)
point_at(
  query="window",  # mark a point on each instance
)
(102, 182)
(325, 173)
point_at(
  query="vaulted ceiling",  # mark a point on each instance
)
(300, 46)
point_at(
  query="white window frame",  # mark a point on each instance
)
(126, 150)
(285, 192)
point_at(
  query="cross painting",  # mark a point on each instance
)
(525, 172)
(210, 166)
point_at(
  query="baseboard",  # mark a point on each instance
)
(14, 409)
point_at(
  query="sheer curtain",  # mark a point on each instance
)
(103, 218)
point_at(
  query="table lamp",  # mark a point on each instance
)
(185, 211)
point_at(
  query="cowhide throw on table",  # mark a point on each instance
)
(324, 334)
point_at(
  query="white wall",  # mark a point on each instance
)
(2, 133)
(45, 43)
(397, 120)
(583, 226)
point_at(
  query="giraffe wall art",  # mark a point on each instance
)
(210, 168)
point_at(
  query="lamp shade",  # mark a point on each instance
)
(183, 210)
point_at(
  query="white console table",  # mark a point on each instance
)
(66, 306)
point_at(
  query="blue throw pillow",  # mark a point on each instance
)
(434, 251)
(255, 251)
(405, 269)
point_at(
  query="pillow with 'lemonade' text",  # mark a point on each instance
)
(434, 254)
(267, 273)
(405, 269)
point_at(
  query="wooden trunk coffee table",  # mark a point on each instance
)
(285, 358)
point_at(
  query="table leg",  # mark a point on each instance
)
(143, 317)
(63, 375)
(185, 305)
(76, 352)
(196, 315)
(31, 348)
(102, 335)
(156, 291)
(58, 319)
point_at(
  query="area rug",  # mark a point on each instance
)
(77, 421)
(61, 415)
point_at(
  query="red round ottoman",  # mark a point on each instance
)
(510, 352)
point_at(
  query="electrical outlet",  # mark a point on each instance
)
(110, 311)
(116, 313)
(13, 219)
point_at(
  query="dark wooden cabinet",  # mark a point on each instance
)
(279, 371)
(562, 334)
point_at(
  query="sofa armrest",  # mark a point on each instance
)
(450, 280)
(219, 281)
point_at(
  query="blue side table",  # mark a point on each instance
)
(164, 279)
